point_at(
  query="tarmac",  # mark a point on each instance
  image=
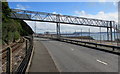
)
(42, 61)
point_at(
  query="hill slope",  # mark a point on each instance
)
(12, 29)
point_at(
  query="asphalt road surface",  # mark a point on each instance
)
(74, 58)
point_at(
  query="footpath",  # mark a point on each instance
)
(41, 60)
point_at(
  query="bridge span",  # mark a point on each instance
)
(64, 19)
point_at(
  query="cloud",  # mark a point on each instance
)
(113, 16)
(115, 4)
(55, 13)
(19, 6)
(102, 0)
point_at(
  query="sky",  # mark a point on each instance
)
(97, 10)
(62, 0)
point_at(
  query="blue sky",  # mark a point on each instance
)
(67, 8)
(100, 10)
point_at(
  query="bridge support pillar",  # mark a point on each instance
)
(107, 34)
(111, 36)
(58, 30)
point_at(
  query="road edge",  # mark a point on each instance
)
(30, 61)
(53, 59)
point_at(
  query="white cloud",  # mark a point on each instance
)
(100, 15)
(102, 0)
(55, 13)
(113, 16)
(115, 4)
(19, 6)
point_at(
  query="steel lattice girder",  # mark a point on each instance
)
(57, 18)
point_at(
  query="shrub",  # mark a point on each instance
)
(16, 35)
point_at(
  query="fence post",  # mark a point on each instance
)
(26, 47)
(9, 61)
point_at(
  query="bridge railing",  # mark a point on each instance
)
(11, 57)
(23, 66)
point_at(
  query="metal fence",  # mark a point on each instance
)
(22, 68)
(17, 61)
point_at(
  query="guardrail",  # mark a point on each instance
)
(22, 68)
(7, 55)
(94, 45)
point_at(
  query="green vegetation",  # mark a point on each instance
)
(12, 30)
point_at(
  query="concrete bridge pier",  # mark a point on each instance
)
(58, 30)
(58, 26)
(109, 32)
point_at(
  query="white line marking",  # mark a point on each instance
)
(102, 62)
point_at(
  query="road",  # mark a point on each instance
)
(74, 58)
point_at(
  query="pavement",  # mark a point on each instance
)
(72, 58)
(42, 61)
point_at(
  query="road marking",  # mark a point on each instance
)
(102, 62)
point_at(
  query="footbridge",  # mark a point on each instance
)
(64, 19)
(61, 54)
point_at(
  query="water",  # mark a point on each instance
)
(97, 36)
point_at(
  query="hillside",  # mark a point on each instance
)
(12, 30)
